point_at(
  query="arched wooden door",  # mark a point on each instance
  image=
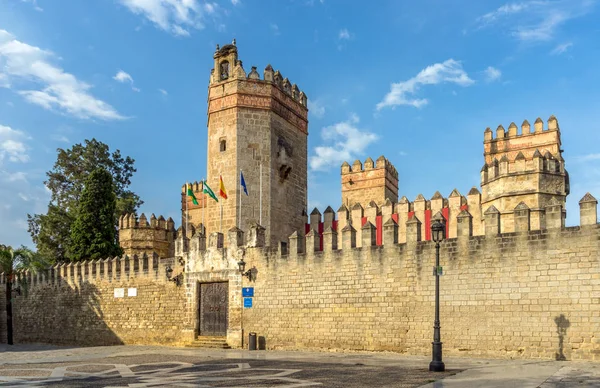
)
(214, 308)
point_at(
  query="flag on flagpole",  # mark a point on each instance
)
(190, 193)
(243, 182)
(208, 190)
(222, 191)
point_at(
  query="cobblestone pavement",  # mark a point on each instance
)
(197, 368)
(147, 366)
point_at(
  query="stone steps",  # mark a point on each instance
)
(209, 342)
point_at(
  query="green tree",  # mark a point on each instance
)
(51, 231)
(93, 231)
(12, 261)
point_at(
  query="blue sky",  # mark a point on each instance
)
(415, 81)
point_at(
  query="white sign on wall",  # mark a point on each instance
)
(119, 292)
(132, 292)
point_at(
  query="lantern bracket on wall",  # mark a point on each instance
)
(178, 280)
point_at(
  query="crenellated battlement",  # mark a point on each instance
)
(143, 236)
(381, 163)
(526, 129)
(390, 224)
(372, 182)
(525, 166)
(526, 141)
(187, 202)
(398, 223)
(116, 269)
(229, 67)
(130, 221)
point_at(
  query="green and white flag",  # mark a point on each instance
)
(208, 190)
(190, 193)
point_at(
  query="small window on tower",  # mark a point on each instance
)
(224, 70)
(222, 145)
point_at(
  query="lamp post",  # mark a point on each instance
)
(242, 268)
(438, 230)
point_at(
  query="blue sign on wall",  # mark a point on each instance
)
(248, 291)
(247, 302)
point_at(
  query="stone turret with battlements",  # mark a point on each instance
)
(143, 236)
(372, 182)
(524, 167)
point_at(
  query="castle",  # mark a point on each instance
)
(517, 282)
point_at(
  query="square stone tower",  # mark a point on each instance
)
(254, 125)
(375, 182)
(523, 167)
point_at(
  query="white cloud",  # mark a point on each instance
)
(450, 71)
(179, 31)
(535, 20)
(316, 108)
(235, 2)
(210, 8)
(124, 77)
(163, 92)
(275, 28)
(61, 138)
(174, 16)
(35, 5)
(14, 176)
(492, 74)
(26, 64)
(561, 48)
(505, 10)
(588, 157)
(344, 34)
(348, 141)
(12, 146)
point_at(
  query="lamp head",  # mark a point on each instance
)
(242, 265)
(438, 231)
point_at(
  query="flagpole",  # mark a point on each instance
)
(186, 210)
(260, 198)
(221, 224)
(203, 205)
(240, 195)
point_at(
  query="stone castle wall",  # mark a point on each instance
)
(502, 295)
(532, 293)
(93, 304)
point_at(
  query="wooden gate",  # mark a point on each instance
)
(214, 308)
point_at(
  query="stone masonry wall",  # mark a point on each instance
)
(502, 295)
(60, 307)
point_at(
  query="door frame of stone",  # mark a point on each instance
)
(198, 312)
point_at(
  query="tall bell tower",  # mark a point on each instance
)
(258, 126)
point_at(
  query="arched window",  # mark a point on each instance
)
(222, 145)
(224, 70)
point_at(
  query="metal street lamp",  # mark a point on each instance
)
(177, 279)
(438, 232)
(242, 268)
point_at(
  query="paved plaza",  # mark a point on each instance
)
(153, 366)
